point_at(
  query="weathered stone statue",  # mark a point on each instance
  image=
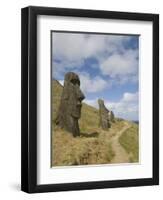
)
(104, 115)
(70, 106)
(111, 116)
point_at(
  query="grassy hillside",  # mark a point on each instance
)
(94, 146)
(129, 140)
(56, 96)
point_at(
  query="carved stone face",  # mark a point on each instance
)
(74, 95)
(70, 105)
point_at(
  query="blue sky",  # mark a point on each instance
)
(106, 64)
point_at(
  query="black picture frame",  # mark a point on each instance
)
(29, 99)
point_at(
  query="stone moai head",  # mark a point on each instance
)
(104, 121)
(70, 106)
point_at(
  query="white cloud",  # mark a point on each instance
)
(130, 97)
(120, 65)
(74, 47)
(71, 49)
(127, 107)
(68, 47)
(92, 85)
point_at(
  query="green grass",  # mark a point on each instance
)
(130, 142)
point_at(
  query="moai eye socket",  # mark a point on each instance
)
(75, 82)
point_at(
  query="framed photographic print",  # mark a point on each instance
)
(90, 99)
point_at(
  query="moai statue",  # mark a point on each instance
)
(104, 117)
(111, 116)
(70, 106)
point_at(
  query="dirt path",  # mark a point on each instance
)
(121, 155)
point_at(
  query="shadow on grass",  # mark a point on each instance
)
(88, 135)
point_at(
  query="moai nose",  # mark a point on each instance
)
(81, 95)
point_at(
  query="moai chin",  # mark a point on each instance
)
(104, 115)
(70, 106)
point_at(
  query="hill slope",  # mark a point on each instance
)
(94, 146)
